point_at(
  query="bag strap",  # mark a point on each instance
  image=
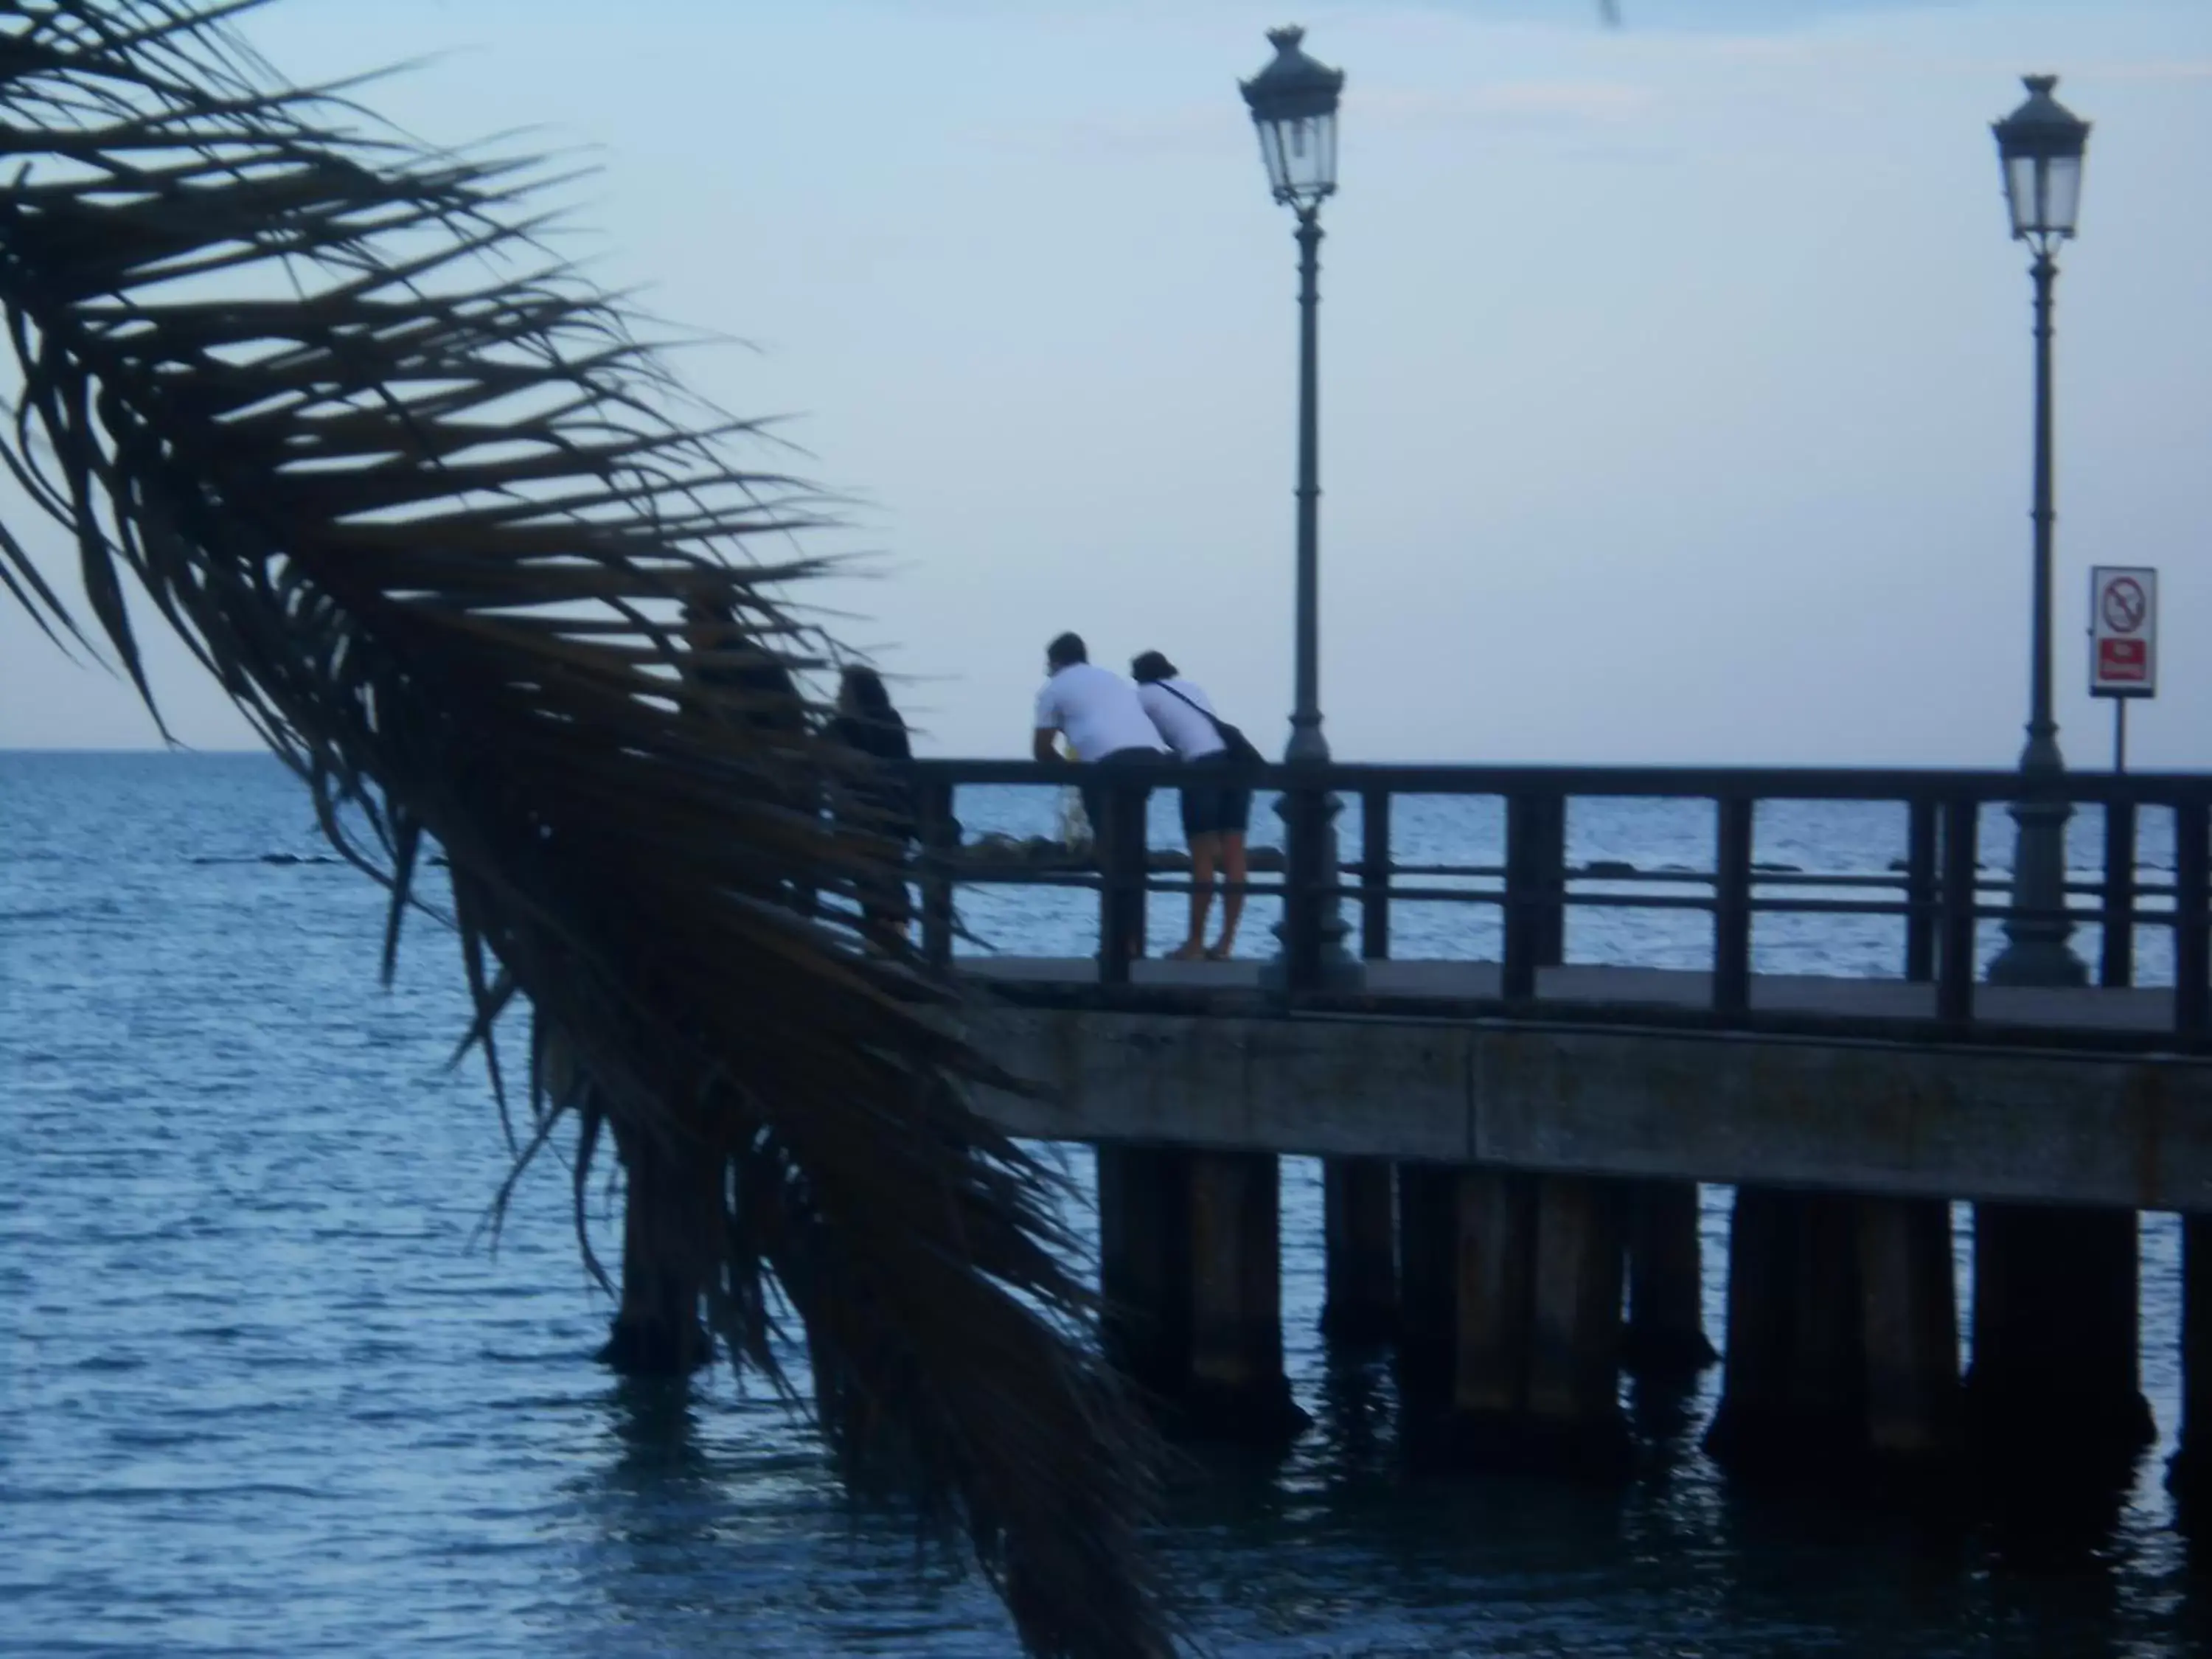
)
(1187, 702)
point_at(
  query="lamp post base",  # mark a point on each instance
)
(2036, 950)
(1340, 971)
(2038, 961)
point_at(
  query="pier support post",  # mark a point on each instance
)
(2189, 1477)
(1574, 1354)
(1536, 1381)
(1494, 1238)
(1909, 1328)
(1790, 1392)
(1842, 1350)
(669, 1202)
(2056, 1371)
(1237, 1389)
(1666, 1333)
(1428, 1256)
(1755, 1404)
(1144, 1264)
(1359, 1223)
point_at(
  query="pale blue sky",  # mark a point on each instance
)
(1675, 379)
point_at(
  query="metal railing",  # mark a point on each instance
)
(1939, 893)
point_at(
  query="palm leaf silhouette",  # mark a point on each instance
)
(428, 507)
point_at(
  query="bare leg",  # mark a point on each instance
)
(1205, 853)
(1233, 890)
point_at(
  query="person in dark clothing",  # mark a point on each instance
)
(722, 658)
(758, 690)
(879, 800)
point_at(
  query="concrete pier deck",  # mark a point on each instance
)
(1878, 1115)
(2022, 1007)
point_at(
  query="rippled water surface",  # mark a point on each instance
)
(268, 1389)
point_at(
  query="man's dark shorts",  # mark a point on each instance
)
(1212, 808)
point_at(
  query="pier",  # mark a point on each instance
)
(1513, 1147)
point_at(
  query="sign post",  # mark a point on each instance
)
(2123, 643)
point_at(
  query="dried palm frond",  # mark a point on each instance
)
(419, 497)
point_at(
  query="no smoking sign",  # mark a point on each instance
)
(2122, 631)
(2124, 604)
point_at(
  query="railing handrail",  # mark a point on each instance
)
(1938, 885)
(1870, 784)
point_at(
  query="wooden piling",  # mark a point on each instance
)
(2055, 1377)
(1827, 1368)
(1237, 1388)
(670, 1203)
(1574, 1335)
(2189, 1477)
(1428, 1254)
(1666, 1335)
(1842, 1350)
(1754, 1404)
(1793, 1377)
(1909, 1329)
(1359, 1223)
(1144, 1264)
(1495, 1236)
(1537, 1375)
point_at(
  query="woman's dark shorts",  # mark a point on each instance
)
(1211, 808)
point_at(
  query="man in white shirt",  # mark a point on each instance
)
(1095, 707)
(1215, 813)
(1107, 727)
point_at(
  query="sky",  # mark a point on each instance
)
(1675, 379)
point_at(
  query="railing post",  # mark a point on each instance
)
(1375, 873)
(2193, 949)
(939, 833)
(1121, 882)
(1532, 891)
(1548, 867)
(1920, 892)
(1302, 901)
(2116, 964)
(1732, 906)
(1954, 964)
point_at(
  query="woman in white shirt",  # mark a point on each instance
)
(1215, 813)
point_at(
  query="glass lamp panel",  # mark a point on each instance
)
(2062, 194)
(1271, 153)
(2022, 193)
(1307, 146)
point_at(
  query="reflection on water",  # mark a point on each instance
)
(263, 1395)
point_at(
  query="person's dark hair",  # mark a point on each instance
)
(697, 611)
(864, 688)
(1067, 649)
(1153, 665)
(736, 663)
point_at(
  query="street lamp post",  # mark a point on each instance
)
(2040, 146)
(1293, 102)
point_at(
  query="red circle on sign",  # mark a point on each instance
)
(2124, 604)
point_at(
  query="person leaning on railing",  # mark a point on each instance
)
(1110, 731)
(1216, 812)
